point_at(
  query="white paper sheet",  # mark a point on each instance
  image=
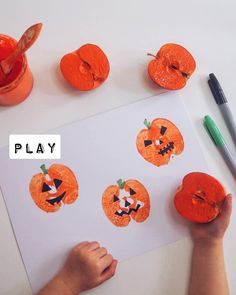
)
(100, 150)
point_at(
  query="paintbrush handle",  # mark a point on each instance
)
(25, 42)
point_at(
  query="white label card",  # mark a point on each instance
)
(34, 146)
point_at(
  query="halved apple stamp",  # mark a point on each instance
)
(171, 67)
(86, 68)
(199, 198)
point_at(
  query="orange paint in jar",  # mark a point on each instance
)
(18, 84)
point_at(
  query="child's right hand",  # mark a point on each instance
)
(214, 230)
(87, 266)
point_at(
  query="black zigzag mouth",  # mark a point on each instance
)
(56, 200)
(168, 148)
(129, 212)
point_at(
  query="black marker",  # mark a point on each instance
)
(222, 102)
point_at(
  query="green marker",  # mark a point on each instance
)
(220, 143)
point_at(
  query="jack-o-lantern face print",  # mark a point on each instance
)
(159, 141)
(125, 201)
(53, 187)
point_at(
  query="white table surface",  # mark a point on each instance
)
(126, 30)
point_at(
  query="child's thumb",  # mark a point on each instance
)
(226, 209)
(110, 271)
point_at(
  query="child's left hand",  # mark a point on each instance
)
(87, 266)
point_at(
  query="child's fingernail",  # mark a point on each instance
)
(230, 198)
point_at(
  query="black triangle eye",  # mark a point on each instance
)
(163, 130)
(45, 188)
(147, 142)
(57, 182)
(115, 198)
(132, 192)
(127, 203)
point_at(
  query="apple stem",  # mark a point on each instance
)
(150, 54)
(121, 183)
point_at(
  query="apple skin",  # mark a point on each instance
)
(86, 68)
(199, 198)
(171, 67)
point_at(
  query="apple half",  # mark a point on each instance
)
(86, 68)
(199, 198)
(171, 67)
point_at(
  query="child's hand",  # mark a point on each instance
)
(214, 230)
(87, 266)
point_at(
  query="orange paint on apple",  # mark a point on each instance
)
(171, 67)
(199, 198)
(86, 68)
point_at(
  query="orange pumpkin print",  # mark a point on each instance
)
(53, 187)
(125, 201)
(199, 198)
(159, 141)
